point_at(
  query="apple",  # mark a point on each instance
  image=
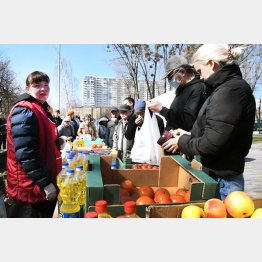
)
(257, 213)
(239, 204)
(215, 208)
(192, 211)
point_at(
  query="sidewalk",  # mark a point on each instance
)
(253, 171)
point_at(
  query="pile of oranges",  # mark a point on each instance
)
(147, 195)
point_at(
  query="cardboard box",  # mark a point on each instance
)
(174, 172)
(174, 211)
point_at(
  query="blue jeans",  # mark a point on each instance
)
(229, 184)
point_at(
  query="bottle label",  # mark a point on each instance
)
(70, 215)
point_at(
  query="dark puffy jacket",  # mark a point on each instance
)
(33, 158)
(222, 133)
(186, 105)
(110, 131)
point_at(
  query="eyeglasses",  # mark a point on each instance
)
(66, 121)
(123, 112)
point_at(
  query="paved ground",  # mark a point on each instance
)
(253, 171)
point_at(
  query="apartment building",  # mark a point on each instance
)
(108, 92)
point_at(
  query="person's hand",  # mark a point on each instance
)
(50, 192)
(171, 145)
(179, 132)
(139, 120)
(154, 106)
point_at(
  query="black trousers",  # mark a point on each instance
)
(19, 209)
(3, 141)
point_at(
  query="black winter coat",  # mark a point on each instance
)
(222, 133)
(186, 105)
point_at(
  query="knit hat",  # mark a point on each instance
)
(173, 63)
(67, 118)
(114, 109)
(140, 104)
(70, 113)
(103, 119)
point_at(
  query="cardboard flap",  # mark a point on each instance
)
(196, 165)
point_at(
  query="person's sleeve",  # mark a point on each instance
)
(222, 115)
(161, 124)
(131, 128)
(24, 128)
(190, 111)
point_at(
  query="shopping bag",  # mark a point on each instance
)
(145, 148)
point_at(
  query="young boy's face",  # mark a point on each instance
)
(40, 91)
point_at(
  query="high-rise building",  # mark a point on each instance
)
(107, 92)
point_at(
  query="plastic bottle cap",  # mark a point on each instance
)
(101, 206)
(130, 207)
(91, 215)
(79, 167)
(70, 171)
(65, 164)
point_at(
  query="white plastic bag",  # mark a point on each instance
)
(145, 148)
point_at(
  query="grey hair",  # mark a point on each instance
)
(222, 54)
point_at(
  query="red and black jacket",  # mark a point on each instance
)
(33, 156)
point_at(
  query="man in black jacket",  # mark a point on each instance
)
(136, 120)
(190, 95)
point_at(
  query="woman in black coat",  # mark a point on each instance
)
(222, 133)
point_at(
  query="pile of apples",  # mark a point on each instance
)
(147, 195)
(237, 204)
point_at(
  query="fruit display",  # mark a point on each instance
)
(145, 194)
(237, 204)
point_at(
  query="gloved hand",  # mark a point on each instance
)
(50, 192)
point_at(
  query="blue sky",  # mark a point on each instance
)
(85, 59)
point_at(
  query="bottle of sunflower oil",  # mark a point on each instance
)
(79, 157)
(85, 161)
(70, 193)
(81, 176)
(60, 178)
(101, 209)
(130, 209)
(64, 160)
(71, 160)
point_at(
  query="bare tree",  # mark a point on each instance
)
(69, 84)
(143, 61)
(251, 65)
(9, 88)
